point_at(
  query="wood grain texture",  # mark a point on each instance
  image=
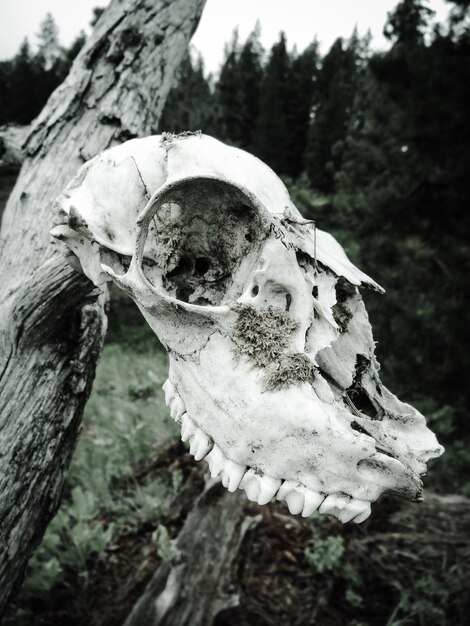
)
(52, 319)
(199, 584)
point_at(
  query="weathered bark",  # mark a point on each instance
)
(51, 319)
(202, 582)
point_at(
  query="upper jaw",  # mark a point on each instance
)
(286, 447)
(260, 487)
(290, 434)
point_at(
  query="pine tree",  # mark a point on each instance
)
(6, 72)
(23, 86)
(250, 74)
(237, 90)
(190, 103)
(272, 140)
(48, 37)
(336, 87)
(302, 93)
(407, 23)
(228, 95)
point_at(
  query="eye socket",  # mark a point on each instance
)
(200, 234)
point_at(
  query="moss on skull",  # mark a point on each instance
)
(289, 370)
(262, 335)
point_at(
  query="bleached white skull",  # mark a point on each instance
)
(272, 375)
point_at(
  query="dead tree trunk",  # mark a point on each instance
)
(200, 583)
(51, 318)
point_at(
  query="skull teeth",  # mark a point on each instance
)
(174, 401)
(177, 408)
(232, 474)
(170, 391)
(312, 500)
(200, 445)
(334, 504)
(293, 495)
(299, 499)
(216, 460)
(260, 488)
(188, 428)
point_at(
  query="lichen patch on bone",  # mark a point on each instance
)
(290, 369)
(262, 335)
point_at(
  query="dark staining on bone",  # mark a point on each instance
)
(199, 237)
(183, 293)
(358, 428)
(109, 233)
(75, 220)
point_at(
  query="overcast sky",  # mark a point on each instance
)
(301, 20)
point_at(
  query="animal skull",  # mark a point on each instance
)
(272, 375)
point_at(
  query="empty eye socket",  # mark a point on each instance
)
(198, 237)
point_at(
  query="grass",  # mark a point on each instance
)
(125, 419)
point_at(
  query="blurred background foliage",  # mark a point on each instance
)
(372, 145)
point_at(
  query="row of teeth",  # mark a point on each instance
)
(259, 488)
